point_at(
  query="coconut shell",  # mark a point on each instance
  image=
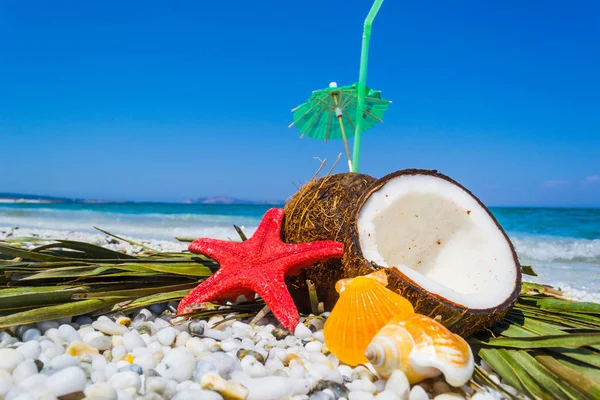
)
(455, 317)
(321, 210)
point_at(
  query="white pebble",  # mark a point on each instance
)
(273, 364)
(387, 395)
(320, 336)
(178, 365)
(182, 339)
(145, 361)
(9, 359)
(252, 367)
(166, 336)
(65, 381)
(23, 371)
(302, 332)
(314, 346)
(483, 396)
(274, 387)
(196, 346)
(6, 383)
(118, 352)
(335, 375)
(194, 394)
(109, 327)
(398, 383)
(360, 396)
(448, 396)
(229, 345)
(34, 381)
(216, 334)
(63, 361)
(68, 333)
(418, 393)
(30, 350)
(362, 385)
(131, 340)
(101, 390)
(125, 379)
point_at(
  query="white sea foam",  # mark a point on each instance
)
(548, 249)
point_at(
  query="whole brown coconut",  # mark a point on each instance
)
(440, 246)
(320, 211)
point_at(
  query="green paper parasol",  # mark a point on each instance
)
(316, 118)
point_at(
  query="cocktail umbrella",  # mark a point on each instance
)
(315, 118)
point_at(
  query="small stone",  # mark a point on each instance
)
(146, 361)
(215, 334)
(418, 393)
(302, 332)
(182, 338)
(23, 371)
(201, 368)
(83, 320)
(101, 390)
(242, 353)
(398, 383)
(30, 350)
(196, 329)
(63, 361)
(107, 326)
(252, 367)
(78, 348)
(68, 333)
(337, 389)
(125, 379)
(133, 368)
(9, 359)
(389, 395)
(358, 395)
(132, 339)
(66, 381)
(449, 396)
(196, 346)
(166, 336)
(31, 334)
(195, 394)
(225, 364)
(362, 385)
(178, 364)
(46, 325)
(362, 372)
(380, 385)
(280, 333)
(483, 396)
(122, 320)
(6, 383)
(229, 390)
(314, 347)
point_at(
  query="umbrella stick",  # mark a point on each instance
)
(362, 80)
(345, 143)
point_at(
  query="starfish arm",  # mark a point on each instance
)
(213, 248)
(270, 226)
(306, 254)
(276, 295)
(216, 287)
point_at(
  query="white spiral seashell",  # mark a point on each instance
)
(421, 348)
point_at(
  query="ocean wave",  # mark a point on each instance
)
(548, 249)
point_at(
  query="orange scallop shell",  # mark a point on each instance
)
(421, 348)
(364, 307)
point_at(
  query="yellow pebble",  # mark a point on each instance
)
(79, 348)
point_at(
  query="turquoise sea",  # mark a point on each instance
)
(562, 244)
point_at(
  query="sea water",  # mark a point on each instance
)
(562, 244)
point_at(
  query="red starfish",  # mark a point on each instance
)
(259, 265)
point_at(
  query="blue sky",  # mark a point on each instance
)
(172, 100)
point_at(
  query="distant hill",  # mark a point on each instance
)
(229, 200)
(18, 197)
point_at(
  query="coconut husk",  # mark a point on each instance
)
(321, 210)
(455, 317)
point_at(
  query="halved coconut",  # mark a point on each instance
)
(320, 211)
(441, 247)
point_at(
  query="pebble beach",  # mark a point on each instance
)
(152, 354)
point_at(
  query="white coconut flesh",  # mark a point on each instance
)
(441, 238)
